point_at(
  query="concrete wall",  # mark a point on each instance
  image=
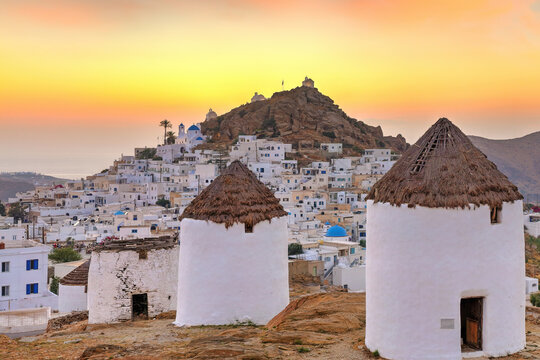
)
(421, 262)
(227, 275)
(72, 298)
(353, 277)
(114, 276)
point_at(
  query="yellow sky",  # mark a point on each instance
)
(110, 70)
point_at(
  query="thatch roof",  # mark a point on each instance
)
(77, 276)
(444, 169)
(236, 196)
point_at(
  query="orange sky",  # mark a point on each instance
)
(83, 81)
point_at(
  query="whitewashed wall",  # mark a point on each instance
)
(71, 298)
(354, 277)
(115, 275)
(422, 261)
(227, 275)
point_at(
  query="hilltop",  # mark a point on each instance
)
(519, 159)
(303, 117)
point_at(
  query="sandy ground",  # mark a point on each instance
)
(317, 326)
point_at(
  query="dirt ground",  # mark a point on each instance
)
(314, 326)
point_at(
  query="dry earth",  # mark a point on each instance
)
(326, 325)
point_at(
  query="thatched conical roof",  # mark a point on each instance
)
(236, 196)
(444, 169)
(77, 276)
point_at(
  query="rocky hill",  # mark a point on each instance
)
(519, 159)
(301, 116)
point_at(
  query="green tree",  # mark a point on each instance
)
(2, 209)
(163, 202)
(170, 137)
(295, 249)
(17, 211)
(166, 125)
(54, 284)
(62, 255)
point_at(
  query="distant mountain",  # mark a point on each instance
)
(519, 159)
(298, 116)
(12, 183)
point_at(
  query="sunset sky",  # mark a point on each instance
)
(82, 82)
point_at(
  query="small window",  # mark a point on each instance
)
(495, 214)
(32, 264)
(5, 266)
(5, 290)
(248, 228)
(31, 288)
(134, 231)
(352, 251)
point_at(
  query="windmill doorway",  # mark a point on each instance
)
(139, 307)
(471, 310)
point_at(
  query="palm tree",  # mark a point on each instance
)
(170, 137)
(166, 124)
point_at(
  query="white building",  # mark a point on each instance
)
(132, 279)
(73, 290)
(233, 259)
(23, 276)
(336, 148)
(446, 260)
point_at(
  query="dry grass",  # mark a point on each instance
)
(236, 196)
(444, 169)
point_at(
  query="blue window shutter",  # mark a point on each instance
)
(36, 264)
(28, 264)
(36, 288)
(28, 289)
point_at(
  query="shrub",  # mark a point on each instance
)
(329, 134)
(535, 299)
(295, 249)
(62, 255)
(54, 284)
(302, 349)
(376, 353)
(163, 202)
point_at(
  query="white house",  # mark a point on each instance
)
(23, 276)
(233, 253)
(445, 268)
(73, 290)
(132, 279)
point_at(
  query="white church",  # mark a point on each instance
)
(233, 263)
(446, 268)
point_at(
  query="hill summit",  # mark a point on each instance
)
(303, 117)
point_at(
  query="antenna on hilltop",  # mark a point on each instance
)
(282, 85)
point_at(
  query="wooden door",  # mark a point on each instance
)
(471, 322)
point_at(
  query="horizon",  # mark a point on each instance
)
(87, 82)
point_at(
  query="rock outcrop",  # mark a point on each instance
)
(302, 116)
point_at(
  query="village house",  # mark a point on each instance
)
(132, 279)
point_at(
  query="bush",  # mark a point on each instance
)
(535, 299)
(295, 249)
(163, 202)
(329, 134)
(54, 284)
(363, 243)
(302, 349)
(62, 255)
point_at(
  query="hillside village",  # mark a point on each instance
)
(128, 223)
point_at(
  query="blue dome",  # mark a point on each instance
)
(193, 127)
(327, 223)
(336, 231)
(119, 213)
(199, 138)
